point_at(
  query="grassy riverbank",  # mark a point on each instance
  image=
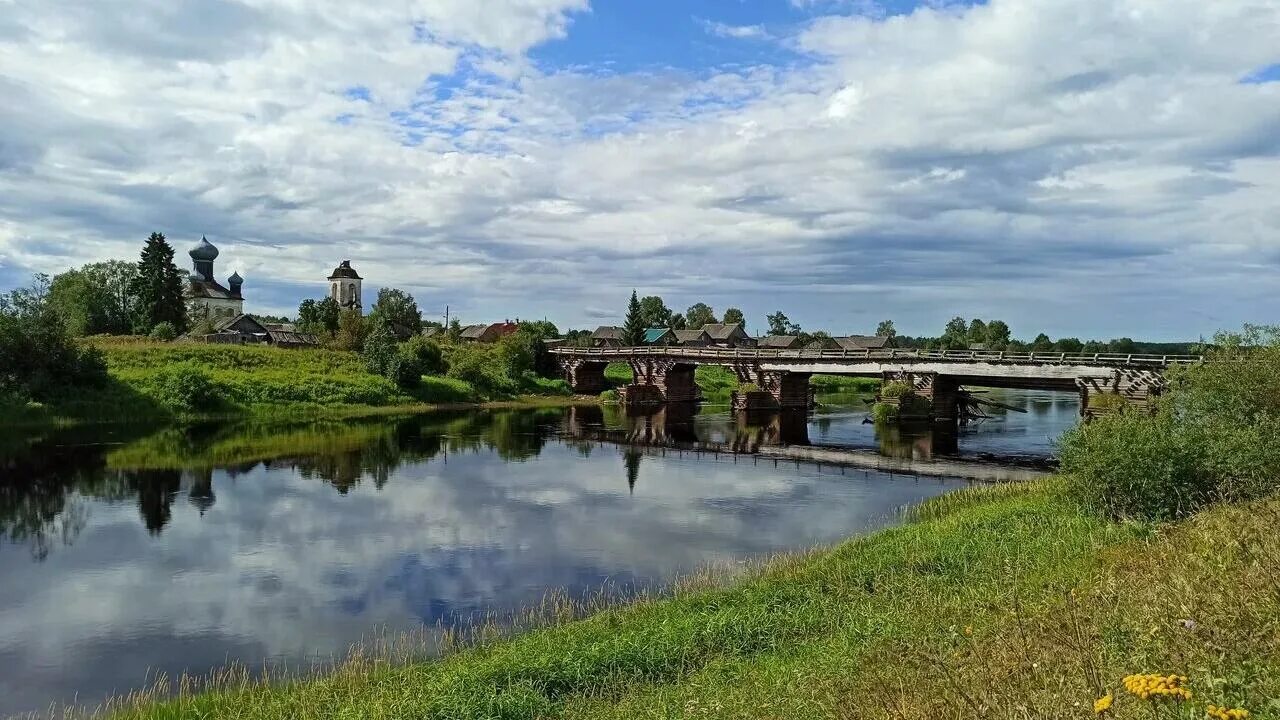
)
(159, 382)
(996, 602)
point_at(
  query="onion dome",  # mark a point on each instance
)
(235, 279)
(204, 251)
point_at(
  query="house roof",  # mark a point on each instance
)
(242, 323)
(653, 335)
(685, 336)
(472, 332)
(863, 342)
(344, 270)
(432, 331)
(777, 341)
(723, 331)
(212, 290)
(607, 332)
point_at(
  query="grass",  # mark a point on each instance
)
(995, 602)
(258, 381)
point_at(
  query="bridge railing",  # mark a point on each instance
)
(999, 356)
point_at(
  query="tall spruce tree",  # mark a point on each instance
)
(157, 288)
(633, 329)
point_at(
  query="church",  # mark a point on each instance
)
(206, 297)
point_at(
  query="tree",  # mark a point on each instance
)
(1068, 345)
(319, 317)
(38, 357)
(698, 315)
(956, 335)
(886, 329)
(977, 332)
(95, 300)
(678, 322)
(734, 315)
(1042, 343)
(157, 288)
(656, 314)
(398, 309)
(633, 327)
(778, 323)
(352, 331)
(998, 335)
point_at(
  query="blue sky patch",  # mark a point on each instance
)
(1268, 74)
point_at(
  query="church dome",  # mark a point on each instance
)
(235, 279)
(204, 250)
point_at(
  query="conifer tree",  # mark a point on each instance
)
(633, 328)
(157, 288)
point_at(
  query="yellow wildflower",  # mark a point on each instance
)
(968, 630)
(1148, 686)
(1103, 704)
(1224, 713)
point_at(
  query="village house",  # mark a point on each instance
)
(206, 297)
(779, 342)
(659, 336)
(247, 330)
(488, 333)
(606, 336)
(692, 338)
(865, 342)
(728, 335)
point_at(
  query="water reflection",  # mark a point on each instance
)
(174, 549)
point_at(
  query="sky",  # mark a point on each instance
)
(1091, 168)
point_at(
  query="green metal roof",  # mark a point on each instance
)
(653, 335)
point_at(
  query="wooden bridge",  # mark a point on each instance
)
(665, 373)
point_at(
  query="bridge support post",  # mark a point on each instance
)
(940, 393)
(779, 389)
(585, 377)
(1132, 388)
(658, 380)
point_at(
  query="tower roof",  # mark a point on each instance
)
(344, 270)
(204, 250)
(235, 279)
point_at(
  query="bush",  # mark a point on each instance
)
(895, 389)
(1135, 465)
(38, 357)
(164, 332)
(427, 354)
(185, 388)
(1211, 438)
(884, 413)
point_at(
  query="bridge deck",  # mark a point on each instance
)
(731, 355)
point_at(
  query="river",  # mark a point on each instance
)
(130, 551)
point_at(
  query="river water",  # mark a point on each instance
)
(131, 551)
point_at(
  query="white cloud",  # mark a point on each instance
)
(948, 161)
(739, 32)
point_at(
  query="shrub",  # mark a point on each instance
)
(895, 389)
(1135, 465)
(38, 357)
(1211, 439)
(427, 354)
(884, 413)
(164, 332)
(184, 388)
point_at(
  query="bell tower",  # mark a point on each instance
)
(345, 287)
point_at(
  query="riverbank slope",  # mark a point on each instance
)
(994, 602)
(163, 382)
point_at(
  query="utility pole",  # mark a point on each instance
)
(446, 318)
